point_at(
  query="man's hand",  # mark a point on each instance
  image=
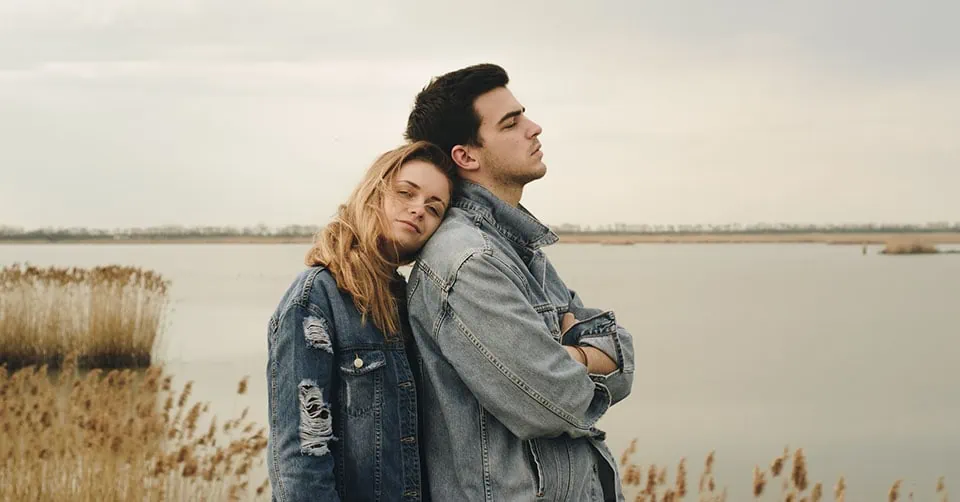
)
(567, 322)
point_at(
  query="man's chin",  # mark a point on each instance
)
(539, 171)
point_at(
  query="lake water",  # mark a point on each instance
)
(742, 349)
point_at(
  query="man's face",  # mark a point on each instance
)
(511, 149)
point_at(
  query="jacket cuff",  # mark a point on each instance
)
(599, 331)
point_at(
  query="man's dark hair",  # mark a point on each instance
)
(443, 112)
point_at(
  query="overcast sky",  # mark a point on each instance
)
(117, 113)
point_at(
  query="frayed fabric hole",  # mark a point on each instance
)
(316, 420)
(317, 333)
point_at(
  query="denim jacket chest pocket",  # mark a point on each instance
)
(551, 318)
(362, 374)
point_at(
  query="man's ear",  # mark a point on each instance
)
(465, 158)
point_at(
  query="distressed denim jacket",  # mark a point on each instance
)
(343, 401)
(508, 414)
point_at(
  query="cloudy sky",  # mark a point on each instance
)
(117, 113)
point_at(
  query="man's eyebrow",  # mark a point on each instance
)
(510, 115)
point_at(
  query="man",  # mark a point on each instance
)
(516, 371)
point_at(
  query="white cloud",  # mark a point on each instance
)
(219, 112)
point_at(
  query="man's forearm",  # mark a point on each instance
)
(594, 359)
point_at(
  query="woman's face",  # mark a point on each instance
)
(415, 204)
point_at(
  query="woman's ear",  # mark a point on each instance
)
(464, 158)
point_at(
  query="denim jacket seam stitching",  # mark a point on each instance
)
(465, 256)
(308, 284)
(427, 270)
(545, 307)
(485, 212)
(414, 286)
(281, 495)
(598, 333)
(486, 215)
(516, 273)
(522, 384)
(485, 456)
(462, 260)
(519, 382)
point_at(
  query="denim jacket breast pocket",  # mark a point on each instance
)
(362, 373)
(551, 318)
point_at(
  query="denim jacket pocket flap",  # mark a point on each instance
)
(361, 362)
(551, 318)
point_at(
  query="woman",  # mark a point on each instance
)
(341, 369)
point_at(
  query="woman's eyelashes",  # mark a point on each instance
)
(409, 194)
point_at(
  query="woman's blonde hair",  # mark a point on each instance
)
(351, 246)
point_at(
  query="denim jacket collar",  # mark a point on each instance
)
(515, 223)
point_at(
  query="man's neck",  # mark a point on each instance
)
(511, 194)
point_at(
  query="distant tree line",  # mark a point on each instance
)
(165, 232)
(759, 228)
(174, 232)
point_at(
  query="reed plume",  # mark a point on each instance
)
(759, 482)
(110, 316)
(796, 482)
(894, 493)
(90, 436)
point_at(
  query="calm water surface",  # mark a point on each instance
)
(742, 349)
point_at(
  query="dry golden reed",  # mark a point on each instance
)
(116, 436)
(110, 316)
(894, 493)
(909, 247)
(817, 492)
(840, 491)
(759, 481)
(794, 488)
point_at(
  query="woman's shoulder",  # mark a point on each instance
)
(312, 287)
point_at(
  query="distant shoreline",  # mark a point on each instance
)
(872, 238)
(841, 238)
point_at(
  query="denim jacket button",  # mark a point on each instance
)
(358, 363)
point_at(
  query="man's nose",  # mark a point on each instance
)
(535, 129)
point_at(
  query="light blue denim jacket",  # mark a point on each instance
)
(343, 401)
(508, 414)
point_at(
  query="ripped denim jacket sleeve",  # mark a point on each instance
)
(300, 379)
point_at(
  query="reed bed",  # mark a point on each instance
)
(784, 480)
(909, 247)
(123, 435)
(110, 316)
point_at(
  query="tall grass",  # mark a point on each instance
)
(110, 316)
(909, 247)
(653, 484)
(125, 435)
